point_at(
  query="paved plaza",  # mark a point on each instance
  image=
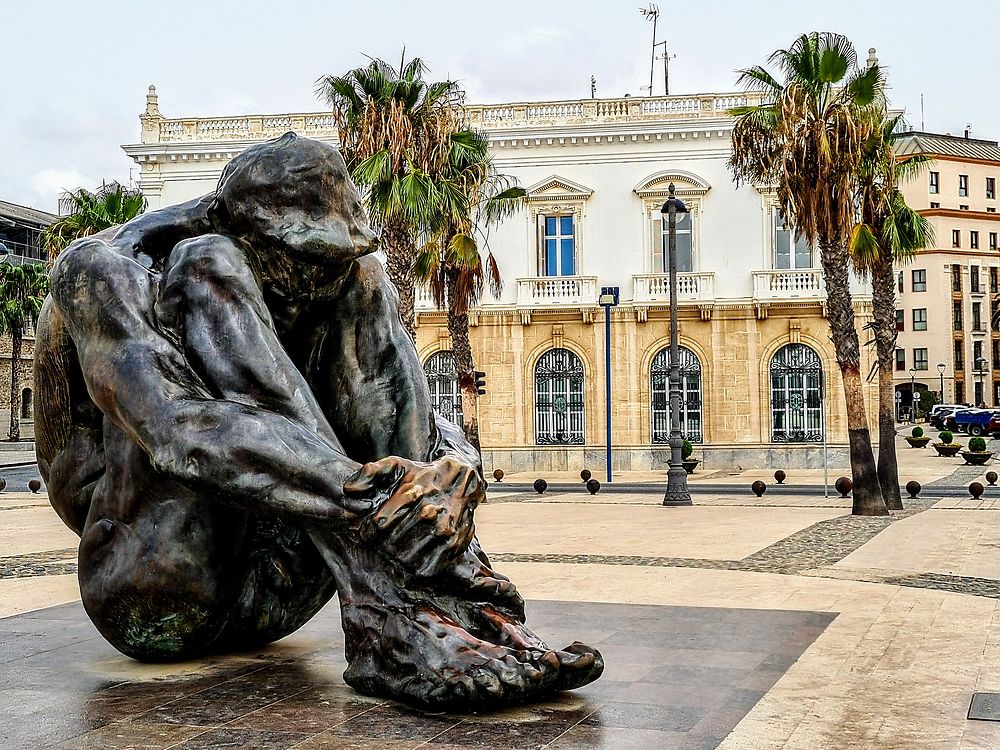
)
(738, 623)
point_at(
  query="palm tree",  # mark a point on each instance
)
(808, 139)
(394, 130)
(22, 289)
(888, 234)
(112, 204)
(472, 197)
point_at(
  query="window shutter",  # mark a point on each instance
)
(540, 245)
(657, 246)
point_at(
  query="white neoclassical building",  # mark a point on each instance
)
(756, 350)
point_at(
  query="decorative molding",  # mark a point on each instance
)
(556, 188)
(687, 184)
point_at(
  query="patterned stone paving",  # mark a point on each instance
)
(56, 562)
(676, 677)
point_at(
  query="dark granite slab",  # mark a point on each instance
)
(676, 677)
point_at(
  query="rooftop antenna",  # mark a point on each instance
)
(922, 129)
(666, 57)
(593, 87)
(651, 14)
(968, 129)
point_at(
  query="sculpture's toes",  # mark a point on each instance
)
(579, 665)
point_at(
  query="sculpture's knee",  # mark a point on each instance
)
(209, 261)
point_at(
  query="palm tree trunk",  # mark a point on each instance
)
(461, 349)
(399, 254)
(840, 312)
(15, 384)
(884, 313)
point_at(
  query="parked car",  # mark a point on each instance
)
(973, 421)
(939, 412)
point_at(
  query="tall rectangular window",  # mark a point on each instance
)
(685, 244)
(993, 280)
(974, 239)
(977, 352)
(935, 182)
(900, 325)
(919, 280)
(991, 188)
(963, 186)
(959, 355)
(974, 279)
(899, 281)
(993, 240)
(977, 316)
(996, 354)
(956, 237)
(956, 278)
(558, 256)
(901, 359)
(920, 319)
(959, 393)
(789, 252)
(920, 359)
(956, 315)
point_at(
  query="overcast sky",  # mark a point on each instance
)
(74, 74)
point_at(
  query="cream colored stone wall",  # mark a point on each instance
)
(27, 368)
(734, 346)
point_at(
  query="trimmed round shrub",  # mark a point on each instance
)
(917, 432)
(946, 437)
(977, 445)
(686, 449)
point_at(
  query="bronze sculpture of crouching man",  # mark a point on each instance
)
(235, 422)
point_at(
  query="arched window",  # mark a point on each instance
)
(27, 408)
(559, 415)
(442, 380)
(659, 392)
(796, 403)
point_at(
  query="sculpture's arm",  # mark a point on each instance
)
(155, 233)
(139, 379)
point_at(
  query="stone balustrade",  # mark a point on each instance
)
(557, 290)
(789, 284)
(489, 117)
(691, 287)
(423, 298)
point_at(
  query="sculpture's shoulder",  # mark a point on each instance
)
(371, 283)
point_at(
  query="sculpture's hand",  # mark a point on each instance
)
(425, 521)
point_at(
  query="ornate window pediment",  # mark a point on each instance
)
(686, 185)
(555, 189)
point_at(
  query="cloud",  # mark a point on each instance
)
(48, 184)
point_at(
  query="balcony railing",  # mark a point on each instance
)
(490, 117)
(557, 290)
(778, 285)
(691, 287)
(423, 299)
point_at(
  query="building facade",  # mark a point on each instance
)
(760, 381)
(20, 230)
(948, 292)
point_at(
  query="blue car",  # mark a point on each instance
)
(971, 421)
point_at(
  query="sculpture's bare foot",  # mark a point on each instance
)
(422, 654)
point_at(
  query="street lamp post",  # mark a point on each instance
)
(980, 377)
(677, 487)
(941, 368)
(913, 397)
(607, 300)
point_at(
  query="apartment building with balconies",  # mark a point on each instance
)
(760, 382)
(948, 292)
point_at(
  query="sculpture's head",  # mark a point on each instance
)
(293, 197)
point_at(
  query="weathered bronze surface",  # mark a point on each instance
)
(234, 420)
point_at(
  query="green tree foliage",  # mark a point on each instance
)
(22, 290)
(807, 140)
(112, 204)
(395, 132)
